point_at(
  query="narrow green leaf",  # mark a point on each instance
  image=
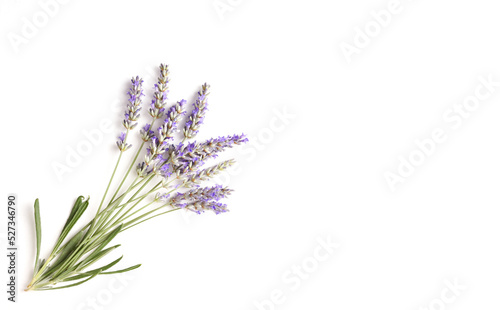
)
(76, 212)
(107, 238)
(77, 204)
(95, 256)
(40, 264)
(71, 285)
(67, 249)
(123, 270)
(87, 273)
(38, 229)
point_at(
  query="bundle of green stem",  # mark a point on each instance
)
(167, 180)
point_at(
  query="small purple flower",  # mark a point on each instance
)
(165, 171)
(122, 145)
(155, 149)
(146, 133)
(164, 197)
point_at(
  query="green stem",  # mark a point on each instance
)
(149, 218)
(123, 217)
(132, 164)
(107, 188)
(133, 196)
(109, 209)
(128, 172)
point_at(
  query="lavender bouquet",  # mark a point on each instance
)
(168, 179)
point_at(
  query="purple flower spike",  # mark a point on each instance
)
(198, 114)
(200, 207)
(206, 194)
(169, 127)
(135, 94)
(160, 95)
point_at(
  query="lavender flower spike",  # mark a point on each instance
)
(135, 94)
(160, 96)
(200, 206)
(174, 114)
(194, 179)
(221, 143)
(158, 144)
(198, 114)
(216, 193)
(187, 157)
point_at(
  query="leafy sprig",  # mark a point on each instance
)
(168, 179)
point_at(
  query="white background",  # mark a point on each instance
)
(319, 174)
